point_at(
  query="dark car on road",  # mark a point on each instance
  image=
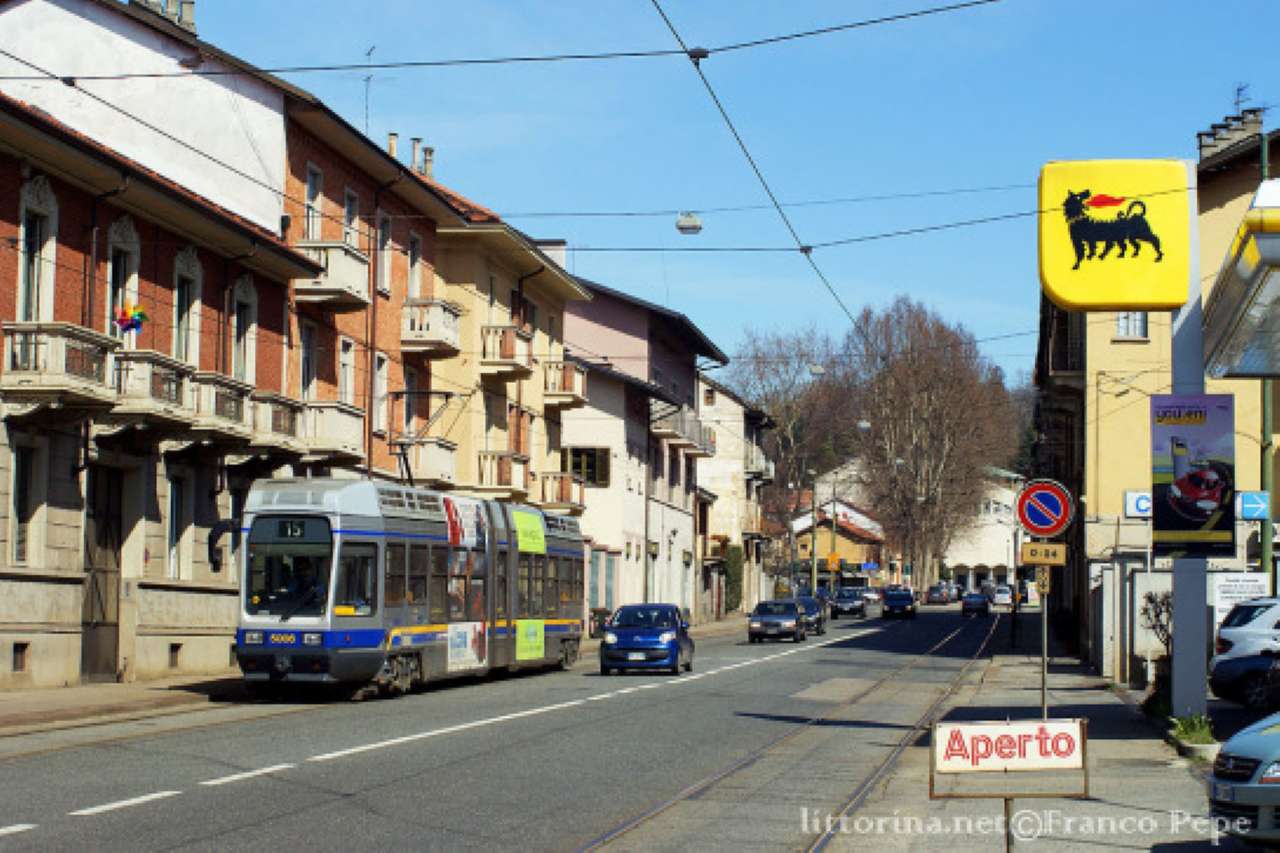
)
(899, 602)
(646, 636)
(815, 614)
(773, 620)
(848, 601)
(937, 594)
(1252, 681)
(975, 603)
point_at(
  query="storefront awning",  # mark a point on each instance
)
(1242, 316)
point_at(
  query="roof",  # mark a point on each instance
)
(640, 385)
(752, 412)
(294, 262)
(702, 344)
(1235, 152)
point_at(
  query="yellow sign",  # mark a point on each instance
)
(1116, 234)
(530, 535)
(833, 562)
(1042, 580)
(1044, 554)
(530, 639)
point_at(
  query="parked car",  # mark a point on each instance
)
(899, 602)
(1251, 628)
(1003, 596)
(1252, 681)
(774, 620)
(937, 594)
(646, 636)
(975, 604)
(1246, 781)
(815, 614)
(849, 601)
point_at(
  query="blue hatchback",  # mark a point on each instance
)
(646, 636)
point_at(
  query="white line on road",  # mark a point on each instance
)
(123, 804)
(249, 774)
(16, 828)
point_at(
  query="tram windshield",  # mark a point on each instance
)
(288, 566)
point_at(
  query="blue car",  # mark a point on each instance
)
(1251, 681)
(646, 636)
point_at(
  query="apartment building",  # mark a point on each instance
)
(641, 474)
(737, 476)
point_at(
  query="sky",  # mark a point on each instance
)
(978, 98)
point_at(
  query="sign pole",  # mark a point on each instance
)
(1044, 655)
(1008, 824)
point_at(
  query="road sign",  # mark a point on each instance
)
(1043, 582)
(1044, 554)
(1253, 505)
(1044, 508)
(833, 562)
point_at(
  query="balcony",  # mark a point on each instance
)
(153, 389)
(430, 326)
(564, 384)
(503, 474)
(706, 444)
(753, 462)
(682, 428)
(506, 351)
(564, 493)
(344, 284)
(277, 422)
(433, 461)
(333, 431)
(56, 364)
(222, 407)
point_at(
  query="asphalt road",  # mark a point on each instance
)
(725, 756)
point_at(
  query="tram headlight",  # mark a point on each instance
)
(610, 638)
(253, 638)
(312, 639)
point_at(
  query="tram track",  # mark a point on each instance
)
(858, 795)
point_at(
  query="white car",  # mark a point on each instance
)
(1251, 628)
(1003, 596)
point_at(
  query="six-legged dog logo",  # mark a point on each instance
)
(1128, 229)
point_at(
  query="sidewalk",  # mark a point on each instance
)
(1143, 795)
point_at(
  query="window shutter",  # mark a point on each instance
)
(602, 466)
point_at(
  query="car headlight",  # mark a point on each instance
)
(790, 623)
(755, 624)
(253, 638)
(1175, 491)
(1271, 775)
(312, 639)
(610, 638)
(666, 636)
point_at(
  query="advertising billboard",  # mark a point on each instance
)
(1193, 475)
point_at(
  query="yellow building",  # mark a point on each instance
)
(1095, 374)
(858, 539)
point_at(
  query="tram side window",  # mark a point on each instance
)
(438, 593)
(357, 587)
(500, 586)
(477, 570)
(538, 581)
(524, 585)
(419, 571)
(394, 588)
(458, 586)
(551, 590)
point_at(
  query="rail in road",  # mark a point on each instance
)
(855, 797)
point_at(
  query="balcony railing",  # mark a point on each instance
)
(564, 491)
(683, 428)
(277, 422)
(565, 384)
(430, 326)
(433, 461)
(222, 406)
(504, 470)
(753, 460)
(333, 429)
(344, 283)
(48, 362)
(505, 350)
(154, 387)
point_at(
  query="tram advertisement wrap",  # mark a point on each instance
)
(530, 639)
(531, 536)
(466, 645)
(465, 518)
(1193, 475)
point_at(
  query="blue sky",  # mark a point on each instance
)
(973, 98)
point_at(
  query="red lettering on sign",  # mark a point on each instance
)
(982, 746)
(1068, 744)
(1006, 746)
(955, 746)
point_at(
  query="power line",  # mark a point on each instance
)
(519, 59)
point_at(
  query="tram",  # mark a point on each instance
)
(358, 582)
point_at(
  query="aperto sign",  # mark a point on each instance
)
(1002, 747)
(1116, 234)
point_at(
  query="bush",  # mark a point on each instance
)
(733, 578)
(1193, 729)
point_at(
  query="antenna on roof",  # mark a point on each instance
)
(1242, 97)
(368, 81)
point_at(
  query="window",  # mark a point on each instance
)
(415, 262)
(476, 572)
(380, 392)
(182, 295)
(384, 254)
(410, 397)
(589, 463)
(308, 377)
(347, 371)
(357, 587)
(439, 583)
(23, 502)
(20, 657)
(35, 231)
(177, 523)
(351, 219)
(500, 593)
(38, 213)
(537, 579)
(524, 585)
(1131, 324)
(394, 588)
(551, 590)
(186, 306)
(240, 349)
(311, 224)
(419, 573)
(709, 397)
(244, 322)
(459, 581)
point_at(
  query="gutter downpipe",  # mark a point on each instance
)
(91, 270)
(374, 271)
(1266, 530)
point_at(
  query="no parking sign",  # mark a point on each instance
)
(1044, 508)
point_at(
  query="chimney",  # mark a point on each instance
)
(1228, 132)
(556, 249)
(428, 161)
(392, 139)
(186, 14)
(417, 152)
(180, 12)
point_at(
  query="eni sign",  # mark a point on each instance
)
(1116, 234)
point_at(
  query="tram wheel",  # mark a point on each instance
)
(568, 654)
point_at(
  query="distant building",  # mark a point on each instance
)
(987, 550)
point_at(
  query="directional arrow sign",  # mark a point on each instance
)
(1253, 505)
(1044, 508)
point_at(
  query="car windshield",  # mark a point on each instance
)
(975, 597)
(636, 616)
(810, 605)
(775, 608)
(287, 567)
(1243, 614)
(848, 592)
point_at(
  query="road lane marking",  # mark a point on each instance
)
(124, 804)
(249, 774)
(16, 828)
(531, 712)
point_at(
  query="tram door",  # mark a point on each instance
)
(100, 614)
(395, 586)
(500, 615)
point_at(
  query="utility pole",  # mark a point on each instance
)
(1265, 531)
(813, 540)
(368, 81)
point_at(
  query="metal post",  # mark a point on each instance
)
(1008, 824)
(1268, 426)
(813, 541)
(1044, 655)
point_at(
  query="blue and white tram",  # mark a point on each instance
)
(363, 582)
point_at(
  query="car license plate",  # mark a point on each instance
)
(773, 630)
(1224, 793)
(635, 655)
